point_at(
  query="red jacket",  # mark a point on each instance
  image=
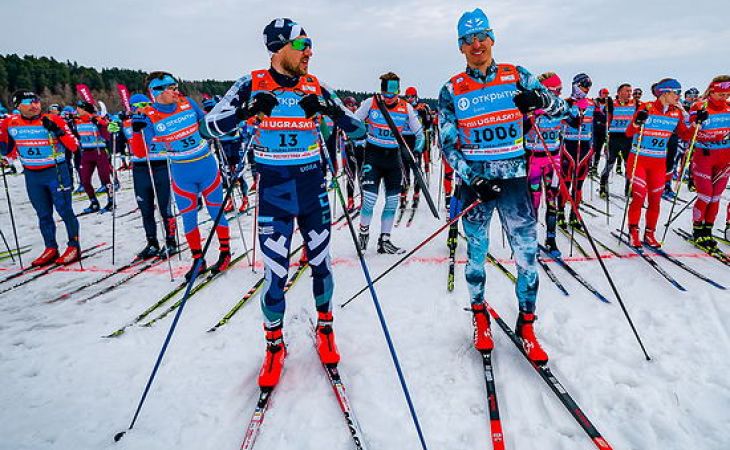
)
(656, 108)
(7, 143)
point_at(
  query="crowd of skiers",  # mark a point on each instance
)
(507, 139)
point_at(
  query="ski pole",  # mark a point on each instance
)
(178, 313)
(441, 180)
(174, 210)
(608, 151)
(407, 154)
(422, 244)
(576, 211)
(373, 295)
(631, 181)
(157, 200)
(231, 180)
(254, 228)
(685, 164)
(12, 219)
(113, 190)
(578, 160)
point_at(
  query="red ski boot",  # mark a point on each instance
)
(482, 331)
(525, 331)
(48, 256)
(244, 204)
(224, 260)
(326, 346)
(634, 239)
(274, 359)
(650, 240)
(228, 207)
(71, 255)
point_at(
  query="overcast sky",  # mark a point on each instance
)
(354, 42)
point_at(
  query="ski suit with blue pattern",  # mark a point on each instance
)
(481, 136)
(287, 147)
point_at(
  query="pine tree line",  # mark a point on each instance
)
(55, 81)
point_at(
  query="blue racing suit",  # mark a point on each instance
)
(286, 148)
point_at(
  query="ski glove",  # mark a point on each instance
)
(485, 189)
(51, 126)
(528, 101)
(702, 115)
(641, 117)
(312, 104)
(113, 127)
(574, 122)
(261, 103)
(139, 122)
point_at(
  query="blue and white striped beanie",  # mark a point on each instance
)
(280, 31)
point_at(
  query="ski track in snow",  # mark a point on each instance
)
(65, 387)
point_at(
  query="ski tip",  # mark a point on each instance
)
(119, 436)
(114, 334)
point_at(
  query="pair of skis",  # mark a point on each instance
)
(714, 252)
(661, 253)
(495, 423)
(37, 272)
(338, 387)
(205, 280)
(572, 272)
(137, 265)
(411, 214)
(252, 291)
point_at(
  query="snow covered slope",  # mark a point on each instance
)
(66, 387)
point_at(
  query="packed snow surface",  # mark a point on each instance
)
(66, 387)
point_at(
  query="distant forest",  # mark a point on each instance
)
(55, 82)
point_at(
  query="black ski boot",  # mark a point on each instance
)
(170, 248)
(603, 190)
(363, 237)
(197, 256)
(575, 223)
(550, 245)
(152, 250)
(710, 241)
(387, 247)
(93, 207)
(108, 207)
(561, 219)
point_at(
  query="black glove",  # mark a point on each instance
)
(574, 122)
(312, 104)
(124, 116)
(485, 189)
(528, 101)
(51, 126)
(702, 115)
(641, 117)
(261, 103)
(139, 122)
(95, 121)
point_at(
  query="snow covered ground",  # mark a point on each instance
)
(66, 387)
